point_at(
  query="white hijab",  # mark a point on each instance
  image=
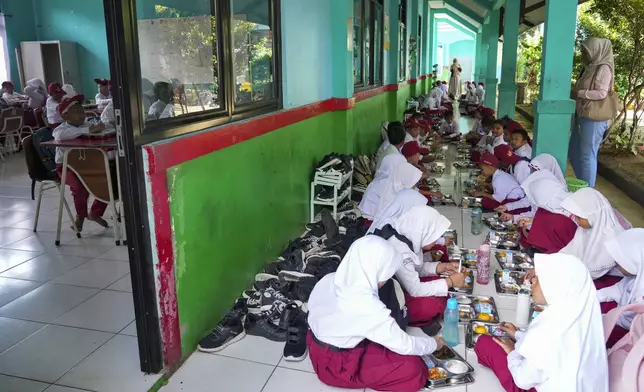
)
(627, 249)
(521, 171)
(371, 198)
(69, 90)
(422, 225)
(545, 191)
(345, 303)
(404, 175)
(566, 341)
(588, 244)
(403, 202)
(549, 163)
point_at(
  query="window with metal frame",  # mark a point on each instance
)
(368, 27)
(402, 35)
(204, 63)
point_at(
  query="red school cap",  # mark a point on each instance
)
(410, 149)
(55, 89)
(102, 82)
(513, 126)
(505, 155)
(68, 102)
(485, 111)
(489, 159)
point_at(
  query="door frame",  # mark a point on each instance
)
(120, 23)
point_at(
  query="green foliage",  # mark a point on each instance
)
(529, 60)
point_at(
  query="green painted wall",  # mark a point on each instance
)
(235, 209)
(404, 93)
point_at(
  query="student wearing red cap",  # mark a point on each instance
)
(10, 95)
(519, 167)
(104, 97)
(505, 187)
(449, 127)
(74, 125)
(56, 94)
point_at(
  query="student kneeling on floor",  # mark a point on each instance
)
(505, 187)
(74, 126)
(357, 321)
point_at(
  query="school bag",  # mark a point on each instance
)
(625, 358)
(47, 154)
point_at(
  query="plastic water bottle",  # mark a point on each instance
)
(450, 329)
(477, 216)
(483, 264)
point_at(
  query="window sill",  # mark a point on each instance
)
(369, 92)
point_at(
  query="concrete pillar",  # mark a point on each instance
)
(434, 28)
(342, 52)
(482, 55)
(554, 109)
(492, 39)
(508, 86)
(477, 54)
(425, 67)
(391, 74)
(412, 28)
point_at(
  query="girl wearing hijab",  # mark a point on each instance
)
(597, 225)
(549, 163)
(593, 85)
(563, 348)
(627, 249)
(403, 176)
(37, 93)
(69, 90)
(552, 227)
(355, 341)
(404, 201)
(414, 233)
(370, 203)
(455, 79)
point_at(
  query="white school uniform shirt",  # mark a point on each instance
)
(628, 251)
(421, 225)
(107, 115)
(385, 149)
(498, 140)
(480, 94)
(371, 199)
(160, 109)
(450, 129)
(67, 131)
(13, 97)
(344, 308)
(563, 348)
(588, 245)
(505, 186)
(53, 117)
(430, 103)
(102, 101)
(524, 151)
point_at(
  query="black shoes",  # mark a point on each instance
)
(330, 227)
(260, 325)
(228, 331)
(295, 347)
(259, 301)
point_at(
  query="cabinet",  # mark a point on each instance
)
(50, 61)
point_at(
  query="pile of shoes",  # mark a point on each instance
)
(335, 163)
(365, 169)
(275, 306)
(325, 193)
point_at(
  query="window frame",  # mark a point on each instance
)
(402, 35)
(229, 111)
(369, 78)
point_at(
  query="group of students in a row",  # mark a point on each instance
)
(358, 315)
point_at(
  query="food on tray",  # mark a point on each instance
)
(463, 300)
(484, 307)
(484, 317)
(464, 315)
(437, 373)
(481, 330)
(510, 288)
(444, 354)
(455, 366)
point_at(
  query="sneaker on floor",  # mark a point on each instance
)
(266, 281)
(330, 226)
(293, 276)
(289, 315)
(302, 289)
(260, 325)
(315, 229)
(295, 347)
(257, 301)
(229, 330)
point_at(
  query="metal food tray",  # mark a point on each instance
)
(450, 383)
(475, 173)
(495, 223)
(518, 279)
(520, 261)
(503, 239)
(471, 202)
(464, 308)
(464, 256)
(493, 330)
(466, 290)
(440, 359)
(446, 200)
(465, 165)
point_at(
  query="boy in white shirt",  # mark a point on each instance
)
(505, 187)
(9, 95)
(449, 127)
(498, 133)
(56, 94)
(519, 142)
(74, 126)
(395, 141)
(163, 107)
(104, 97)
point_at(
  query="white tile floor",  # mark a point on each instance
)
(256, 365)
(66, 313)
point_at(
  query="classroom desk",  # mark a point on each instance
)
(103, 145)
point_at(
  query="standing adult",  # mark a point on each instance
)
(593, 84)
(455, 79)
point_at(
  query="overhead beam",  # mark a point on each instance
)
(534, 7)
(457, 18)
(465, 11)
(457, 26)
(485, 4)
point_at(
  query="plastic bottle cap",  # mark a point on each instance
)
(452, 304)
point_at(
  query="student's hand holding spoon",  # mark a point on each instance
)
(440, 343)
(456, 279)
(502, 208)
(446, 268)
(508, 328)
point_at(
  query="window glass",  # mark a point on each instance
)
(402, 34)
(377, 35)
(252, 51)
(179, 58)
(357, 42)
(367, 41)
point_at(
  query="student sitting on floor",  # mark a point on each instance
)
(403, 176)
(370, 202)
(514, 164)
(506, 189)
(357, 324)
(395, 140)
(414, 233)
(163, 107)
(449, 127)
(563, 348)
(56, 94)
(519, 142)
(103, 97)
(74, 125)
(486, 139)
(627, 249)
(551, 227)
(413, 135)
(597, 224)
(480, 93)
(481, 128)
(411, 151)
(10, 95)
(549, 163)
(404, 201)
(499, 136)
